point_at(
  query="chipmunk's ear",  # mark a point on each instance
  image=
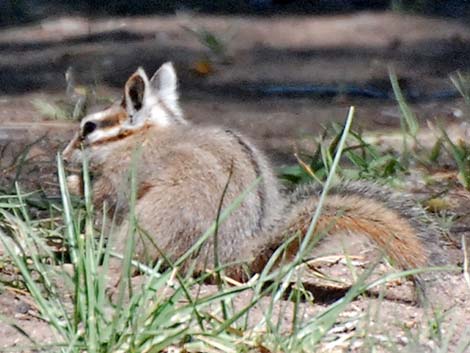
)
(164, 84)
(134, 92)
(152, 101)
(164, 80)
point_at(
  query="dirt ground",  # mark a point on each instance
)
(277, 79)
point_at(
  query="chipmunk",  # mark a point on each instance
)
(185, 173)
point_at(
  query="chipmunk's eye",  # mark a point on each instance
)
(88, 128)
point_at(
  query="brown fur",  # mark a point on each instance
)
(354, 214)
(182, 173)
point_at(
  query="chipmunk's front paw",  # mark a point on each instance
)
(75, 185)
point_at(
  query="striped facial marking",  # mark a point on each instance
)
(102, 125)
(119, 135)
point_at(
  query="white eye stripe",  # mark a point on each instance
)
(98, 116)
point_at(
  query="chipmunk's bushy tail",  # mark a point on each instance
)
(392, 220)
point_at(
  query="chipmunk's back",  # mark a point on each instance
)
(186, 173)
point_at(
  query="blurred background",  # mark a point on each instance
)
(277, 70)
(21, 11)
